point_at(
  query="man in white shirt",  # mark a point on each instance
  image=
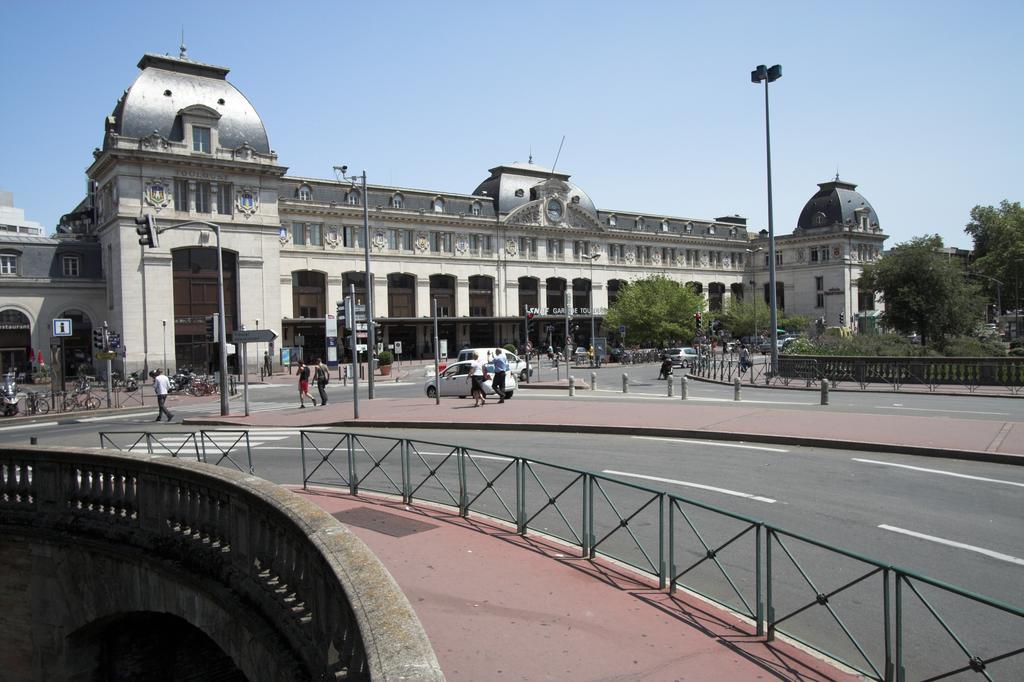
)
(161, 386)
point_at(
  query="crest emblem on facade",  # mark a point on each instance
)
(461, 244)
(284, 235)
(247, 201)
(380, 240)
(511, 248)
(157, 194)
(656, 258)
(422, 243)
(630, 255)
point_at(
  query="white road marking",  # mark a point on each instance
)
(927, 409)
(958, 545)
(472, 456)
(938, 471)
(84, 420)
(725, 444)
(587, 394)
(27, 426)
(687, 484)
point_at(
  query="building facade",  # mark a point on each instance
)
(185, 146)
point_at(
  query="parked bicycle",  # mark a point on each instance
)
(80, 400)
(37, 403)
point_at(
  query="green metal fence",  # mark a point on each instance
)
(865, 614)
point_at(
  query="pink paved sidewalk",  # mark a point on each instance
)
(499, 606)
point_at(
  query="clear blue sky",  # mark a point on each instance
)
(919, 103)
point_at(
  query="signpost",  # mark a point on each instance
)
(61, 327)
(243, 337)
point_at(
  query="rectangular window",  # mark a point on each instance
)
(200, 139)
(814, 255)
(181, 195)
(8, 265)
(820, 300)
(778, 258)
(70, 265)
(555, 247)
(819, 283)
(474, 244)
(225, 198)
(315, 234)
(393, 239)
(299, 234)
(488, 245)
(202, 197)
(407, 237)
(824, 253)
(348, 236)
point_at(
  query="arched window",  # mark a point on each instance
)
(528, 292)
(640, 223)
(475, 208)
(611, 221)
(194, 273)
(305, 193)
(397, 201)
(309, 294)
(481, 296)
(401, 295)
(442, 290)
(352, 197)
(438, 205)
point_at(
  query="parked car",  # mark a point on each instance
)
(516, 365)
(682, 357)
(454, 381)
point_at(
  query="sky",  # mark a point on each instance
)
(918, 103)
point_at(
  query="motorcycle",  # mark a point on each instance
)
(8, 395)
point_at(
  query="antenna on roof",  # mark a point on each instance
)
(531, 154)
(183, 54)
(557, 155)
(837, 173)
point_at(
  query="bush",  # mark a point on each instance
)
(385, 357)
(511, 348)
(893, 345)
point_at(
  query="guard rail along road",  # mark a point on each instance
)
(996, 375)
(282, 588)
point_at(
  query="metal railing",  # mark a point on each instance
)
(932, 374)
(855, 610)
(220, 447)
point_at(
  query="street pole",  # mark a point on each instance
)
(437, 360)
(106, 350)
(768, 75)
(593, 325)
(222, 331)
(350, 314)
(371, 336)
(165, 345)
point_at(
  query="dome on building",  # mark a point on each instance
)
(514, 184)
(168, 85)
(837, 203)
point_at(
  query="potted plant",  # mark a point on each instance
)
(384, 360)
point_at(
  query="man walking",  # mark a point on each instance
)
(162, 386)
(322, 375)
(500, 368)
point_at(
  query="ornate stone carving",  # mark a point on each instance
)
(526, 215)
(243, 152)
(656, 258)
(704, 259)
(332, 237)
(247, 201)
(511, 247)
(157, 193)
(801, 255)
(284, 235)
(726, 262)
(680, 259)
(461, 244)
(630, 255)
(155, 141)
(380, 240)
(422, 242)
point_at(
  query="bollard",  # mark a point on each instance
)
(736, 388)
(669, 384)
(572, 386)
(625, 383)
(683, 386)
(824, 391)
(593, 381)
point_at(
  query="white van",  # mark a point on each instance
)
(516, 365)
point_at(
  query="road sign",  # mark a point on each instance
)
(62, 327)
(398, 347)
(622, 329)
(360, 347)
(359, 312)
(361, 326)
(105, 355)
(253, 336)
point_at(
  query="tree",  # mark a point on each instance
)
(998, 235)
(924, 291)
(656, 309)
(749, 318)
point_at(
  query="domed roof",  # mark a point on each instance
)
(167, 85)
(510, 187)
(836, 203)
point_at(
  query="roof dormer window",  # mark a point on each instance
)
(352, 198)
(520, 193)
(639, 223)
(201, 140)
(611, 221)
(397, 201)
(664, 226)
(711, 229)
(438, 205)
(475, 208)
(689, 228)
(305, 193)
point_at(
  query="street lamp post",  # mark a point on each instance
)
(753, 287)
(165, 344)
(593, 326)
(371, 340)
(768, 75)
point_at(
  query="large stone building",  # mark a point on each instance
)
(182, 144)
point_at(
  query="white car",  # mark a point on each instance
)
(682, 357)
(516, 364)
(454, 381)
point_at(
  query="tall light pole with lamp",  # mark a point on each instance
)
(165, 344)
(593, 325)
(753, 287)
(768, 75)
(371, 340)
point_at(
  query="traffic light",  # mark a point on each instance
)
(212, 328)
(97, 339)
(146, 229)
(696, 319)
(340, 308)
(842, 318)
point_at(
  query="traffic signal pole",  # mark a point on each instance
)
(106, 348)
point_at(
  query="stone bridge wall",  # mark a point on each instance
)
(283, 589)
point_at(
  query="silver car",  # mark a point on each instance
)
(454, 381)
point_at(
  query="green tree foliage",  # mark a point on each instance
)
(655, 310)
(741, 316)
(924, 291)
(998, 235)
